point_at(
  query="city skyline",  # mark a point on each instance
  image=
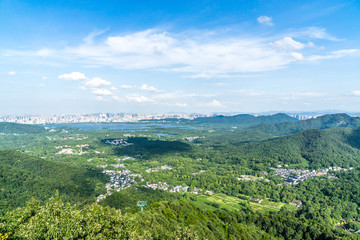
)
(210, 56)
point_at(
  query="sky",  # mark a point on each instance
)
(64, 57)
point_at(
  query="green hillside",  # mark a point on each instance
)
(161, 220)
(24, 177)
(245, 120)
(11, 128)
(316, 148)
(322, 122)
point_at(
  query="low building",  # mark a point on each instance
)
(254, 199)
(297, 203)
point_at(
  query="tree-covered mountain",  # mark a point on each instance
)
(245, 120)
(23, 177)
(162, 220)
(318, 148)
(322, 122)
(17, 128)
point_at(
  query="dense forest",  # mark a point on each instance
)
(24, 177)
(210, 178)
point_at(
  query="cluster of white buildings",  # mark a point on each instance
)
(118, 142)
(120, 180)
(95, 118)
(165, 187)
(150, 170)
(160, 185)
(301, 175)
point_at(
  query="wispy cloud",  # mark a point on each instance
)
(138, 98)
(127, 86)
(213, 103)
(314, 33)
(288, 43)
(248, 92)
(11, 73)
(335, 54)
(147, 88)
(355, 93)
(197, 55)
(265, 20)
(299, 95)
(97, 86)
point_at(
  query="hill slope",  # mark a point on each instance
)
(6, 127)
(318, 148)
(245, 120)
(322, 122)
(23, 177)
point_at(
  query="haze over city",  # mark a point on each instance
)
(178, 56)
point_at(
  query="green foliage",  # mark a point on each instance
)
(57, 220)
(126, 199)
(214, 161)
(11, 128)
(23, 177)
(322, 122)
(149, 148)
(244, 120)
(318, 148)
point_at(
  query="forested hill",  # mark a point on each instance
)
(316, 148)
(322, 122)
(24, 177)
(11, 128)
(245, 120)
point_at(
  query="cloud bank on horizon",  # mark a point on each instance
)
(263, 62)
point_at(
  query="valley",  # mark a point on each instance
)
(215, 165)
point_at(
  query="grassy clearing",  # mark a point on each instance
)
(233, 204)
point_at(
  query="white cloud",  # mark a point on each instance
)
(89, 38)
(138, 98)
(201, 56)
(248, 92)
(288, 43)
(115, 89)
(181, 104)
(44, 78)
(213, 103)
(74, 76)
(335, 54)
(147, 88)
(11, 73)
(195, 54)
(103, 92)
(265, 20)
(127, 86)
(95, 85)
(96, 82)
(45, 52)
(297, 56)
(299, 95)
(355, 93)
(315, 33)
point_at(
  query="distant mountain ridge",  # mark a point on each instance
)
(245, 120)
(10, 128)
(322, 122)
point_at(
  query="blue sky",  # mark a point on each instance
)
(178, 56)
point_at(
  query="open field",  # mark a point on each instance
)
(232, 203)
